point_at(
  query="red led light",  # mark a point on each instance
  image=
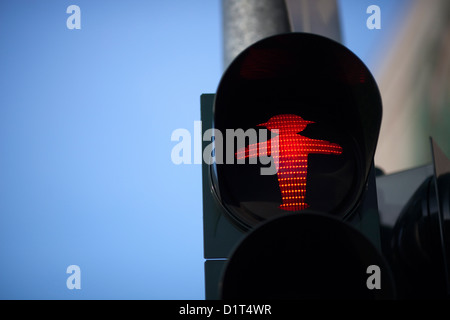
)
(292, 159)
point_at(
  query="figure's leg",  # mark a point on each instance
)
(292, 181)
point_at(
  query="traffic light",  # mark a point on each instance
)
(289, 196)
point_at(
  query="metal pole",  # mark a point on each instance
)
(247, 21)
(315, 16)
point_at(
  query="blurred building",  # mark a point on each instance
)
(414, 80)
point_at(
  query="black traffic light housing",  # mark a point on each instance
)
(415, 213)
(323, 82)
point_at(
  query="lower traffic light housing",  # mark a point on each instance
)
(306, 256)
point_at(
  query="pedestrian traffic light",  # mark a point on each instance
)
(291, 184)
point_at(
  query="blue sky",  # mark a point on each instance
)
(86, 118)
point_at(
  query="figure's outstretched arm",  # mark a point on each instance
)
(251, 151)
(323, 147)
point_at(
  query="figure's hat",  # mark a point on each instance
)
(287, 123)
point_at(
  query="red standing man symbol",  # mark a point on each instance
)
(292, 159)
